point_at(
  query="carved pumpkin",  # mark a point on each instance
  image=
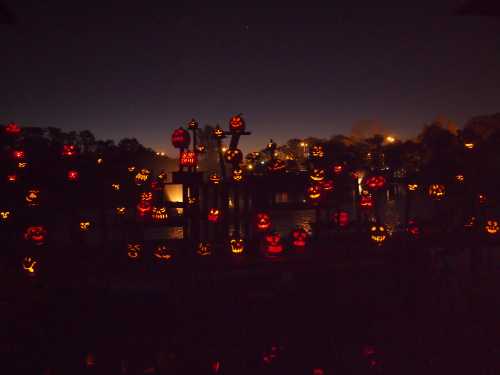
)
(317, 152)
(4, 215)
(18, 154)
(35, 234)
(12, 129)
(134, 250)
(22, 164)
(144, 207)
(131, 168)
(181, 138)
(237, 175)
(29, 265)
(469, 145)
(317, 174)
(341, 218)
(375, 182)
(115, 186)
(460, 178)
(218, 132)
(12, 178)
(159, 213)
(273, 244)
(214, 178)
(492, 227)
(142, 176)
(99, 160)
(192, 124)
(201, 148)
(233, 156)
(162, 253)
(263, 221)
(481, 198)
(437, 191)
(84, 226)
(326, 185)
(276, 165)
(213, 215)
(73, 175)
(413, 229)
(412, 187)
(338, 168)
(237, 244)
(69, 150)
(32, 198)
(366, 202)
(237, 124)
(188, 158)
(146, 196)
(120, 210)
(314, 193)
(204, 249)
(378, 234)
(299, 237)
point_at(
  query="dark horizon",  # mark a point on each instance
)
(131, 71)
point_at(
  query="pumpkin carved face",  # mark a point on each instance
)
(22, 164)
(237, 124)
(237, 175)
(131, 168)
(412, 187)
(338, 168)
(375, 182)
(326, 185)
(317, 152)
(12, 129)
(469, 145)
(299, 237)
(144, 207)
(378, 234)
(314, 193)
(134, 250)
(162, 253)
(273, 244)
(204, 249)
(492, 227)
(276, 165)
(120, 210)
(36, 235)
(218, 133)
(32, 198)
(69, 150)
(30, 265)
(188, 158)
(233, 156)
(460, 178)
(181, 138)
(146, 196)
(159, 213)
(366, 202)
(214, 178)
(4, 215)
(73, 175)
(18, 154)
(84, 226)
(317, 174)
(341, 219)
(192, 124)
(213, 215)
(200, 148)
(437, 191)
(115, 187)
(237, 244)
(263, 221)
(142, 176)
(12, 178)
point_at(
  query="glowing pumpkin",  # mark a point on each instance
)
(142, 176)
(378, 234)
(99, 160)
(299, 237)
(84, 226)
(263, 221)
(338, 168)
(115, 187)
(412, 187)
(134, 250)
(29, 265)
(188, 158)
(273, 244)
(276, 165)
(22, 165)
(237, 175)
(181, 138)
(326, 185)
(492, 227)
(69, 150)
(366, 202)
(217, 132)
(4, 215)
(33, 197)
(12, 129)
(213, 215)
(317, 174)
(18, 154)
(159, 213)
(144, 207)
(341, 218)
(314, 193)
(12, 178)
(237, 244)
(317, 152)
(375, 182)
(192, 124)
(214, 178)
(204, 249)
(201, 148)
(73, 175)
(120, 210)
(36, 235)
(460, 178)
(146, 196)
(481, 198)
(413, 229)
(233, 156)
(237, 124)
(437, 191)
(469, 145)
(162, 253)
(131, 168)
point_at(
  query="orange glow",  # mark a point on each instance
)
(236, 123)
(22, 165)
(492, 227)
(378, 234)
(115, 186)
(213, 215)
(162, 253)
(237, 245)
(18, 154)
(437, 191)
(159, 213)
(146, 196)
(120, 210)
(84, 226)
(13, 128)
(214, 178)
(32, 198)
(459, 178)
(317, 175)
(131, 168)
(314, 192)
(12, 178)
(273, 244)
(35, 234)
(317, 151)
(4, 215)
(412, 187)
(469, 145)
(134, 250)
(237, 175)
(481, 198)
(29, 265)
(263, 221)
(73, 175)
(188, 158)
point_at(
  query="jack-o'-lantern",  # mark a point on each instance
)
(188, 158)
(36, 235)
(32, 198)
(115, 186)
(12, 178)
(201, 148)
(237, 244)
(204, 249)
(161, 176)
(233, 156)
(413, 229)
(299, 237)
(12, 129)
(469, 145)
(162, 253)
(378, 234)
(326, 185)
(159, 213)
(412, 187)
(338, 168)
(481, 198)
(317, 152)
(120, 210)
(73, 175)
(142, 176)
(69, 150)
(366, 201)
(271, 145)
(273, 244)
(375, 182)
(460, 178)
(237, 175)
(217, 132)
(214, 178)
(237, 124)
(18, 154)
(276, 165)
(84, 226)
(181, 138)
(213, 215)
(314, 193)
(341, 218)
(22, 164)
(470, 222)
(131, 168)
(317, 174)
(99, 160)
(437, 191)
(192, 200)
(4, 215)
(492, 227)
(30, 265)
(144, 207)
(262, 221)
(192, 124)
(146, 196)
(134, 250)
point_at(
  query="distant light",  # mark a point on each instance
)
(224, 148)
(250, 166)
(262, 162)
(390, 139)
(469, 146)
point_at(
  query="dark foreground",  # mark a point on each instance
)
(375, 317)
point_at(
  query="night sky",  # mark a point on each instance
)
(141, 69)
